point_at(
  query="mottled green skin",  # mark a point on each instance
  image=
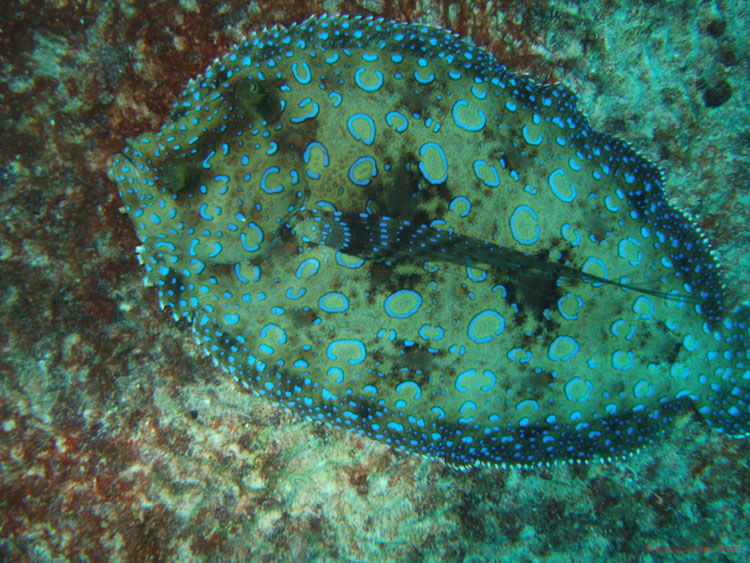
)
(490, 364)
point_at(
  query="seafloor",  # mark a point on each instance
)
(120, 441)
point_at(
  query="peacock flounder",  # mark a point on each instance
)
(378, 226)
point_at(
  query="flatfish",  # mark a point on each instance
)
(379, 227)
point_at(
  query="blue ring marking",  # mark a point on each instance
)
(337, 98)
(314, 144)
(389, 120)
(643, 301)
(358, 80)
(461, 199)
(598, 262)
(359, 162)
(472, 373)
(369, 140)
(397, 58)
(457, 120)
(340, 307)
(467, 405)
(370, 389)
(423, 332)
(201, 265)
(275, 189)
(355, 361)
(616, 364)
(309, 263)
(422, 80)
(569, 393)
(202, 213)
(493, 380)
(422, 167)
(477, 318)
(239, 276)
(396, 295)
(313, 111)
(564, 232)
(170, 246)
(282, 332)
(306, 158)
(231, 318)
(560, 340)
(534, 217)
(338, 373)
(471, 275)
(560, 301)
(411, 385)
(530, 402)
(217, 250)
(615, 327)
(290, 293)
(369, 57)
(302, 78)
(622, 250)
(469, 373)
(352, 265)
(638, 389)
(493, 184)
(440, 412)
(556, 191)
(535, 142)
(510, 106)
(691, 343)
(332, 58)
(243, 237)
(611, 206)
(574, 165)
(477, 94)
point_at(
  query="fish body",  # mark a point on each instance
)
(381, 228)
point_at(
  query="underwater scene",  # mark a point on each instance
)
(343, 281)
